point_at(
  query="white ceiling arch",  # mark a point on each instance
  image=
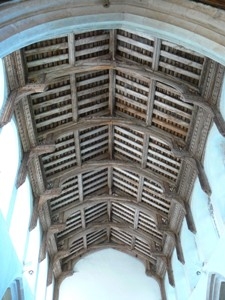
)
(190, 24)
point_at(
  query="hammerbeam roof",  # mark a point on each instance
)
(113, 126)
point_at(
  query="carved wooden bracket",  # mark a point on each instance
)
(167, 230)
(46, 235)
(197, 165)
(15, 97)
(211, 109)
(34, 217)
(50, 273)
(189, 218)
(34, 152)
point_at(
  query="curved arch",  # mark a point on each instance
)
(119, 264)
(150, 211)
(116, 121)
(189, 24)
(145, 72)
(119, 247)
(95, 165)
(120, 226)
(184, 23)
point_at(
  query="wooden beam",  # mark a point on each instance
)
(140, 188)
(128, 68)
(197, 165)
(43, 248)
(180, 254)
(150, 102)
(156, 54)
(170, 272)
(22, 173)
(48, 194)
(95, 199)
(34, 216)
(112, 77)
(103, 164)
(50, 273)
(75, 235)
(219, 120)
(73, 86)
(60, 255)
(121, 122)
(110, 180)
(110, 199)
(111, 141)
(189, 218)
(15, 97)
(34, 152)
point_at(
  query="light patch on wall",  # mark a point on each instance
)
(9, 160)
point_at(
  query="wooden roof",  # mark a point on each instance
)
(113, 126)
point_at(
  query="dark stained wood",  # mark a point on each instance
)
(215, 3)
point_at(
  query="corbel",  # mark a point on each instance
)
(16, 96)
